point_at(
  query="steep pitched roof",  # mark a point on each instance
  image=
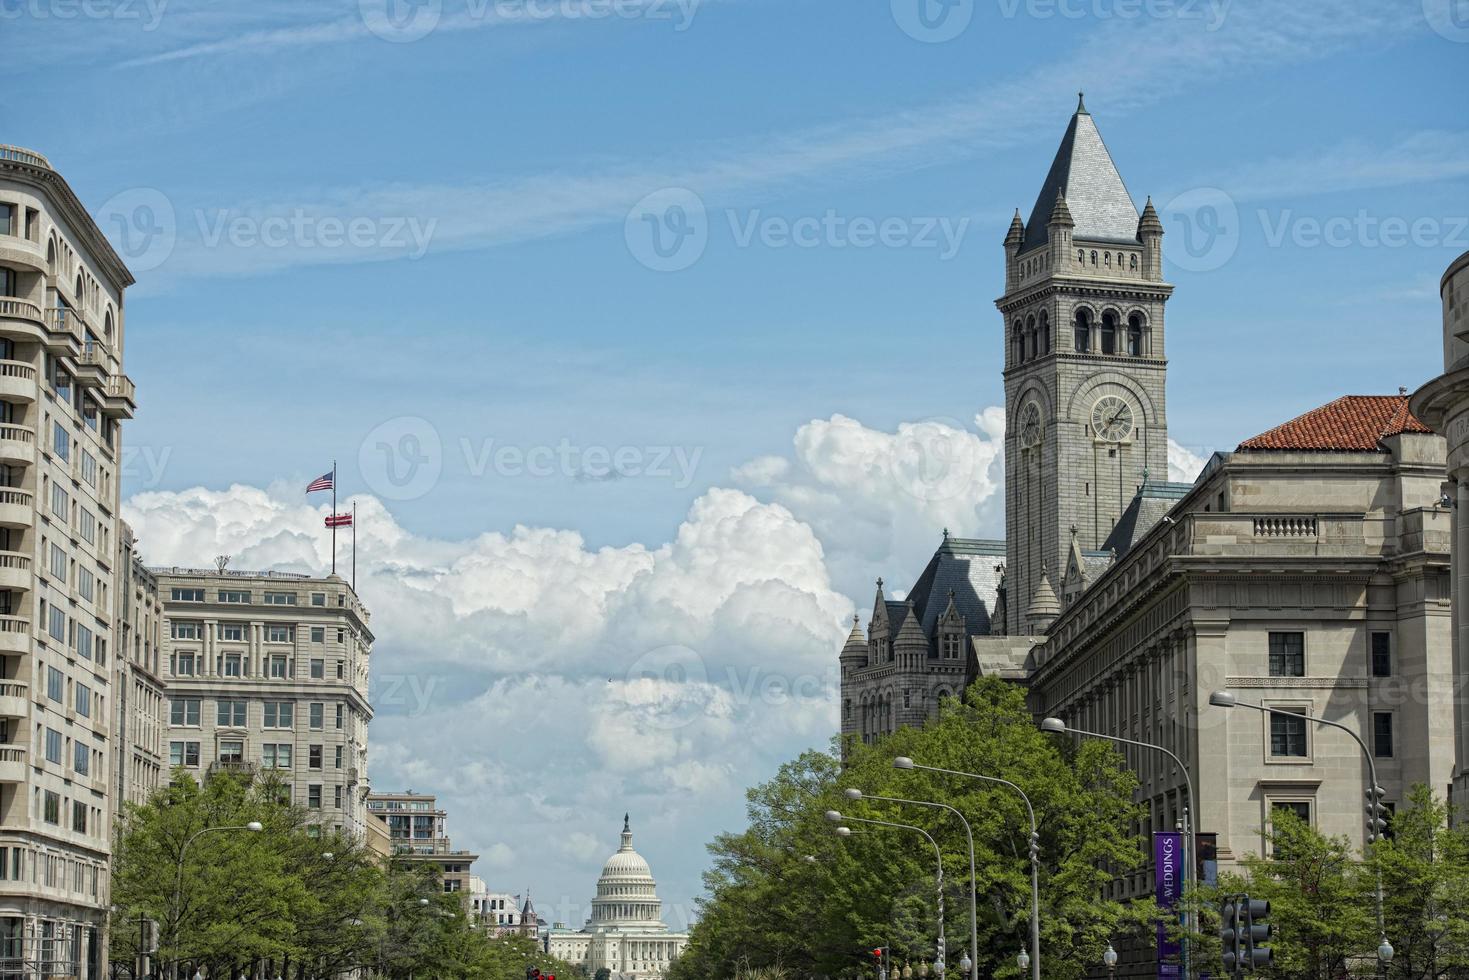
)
(1352, 423)
(967, 567)
(1148, 506)
(1083, 173)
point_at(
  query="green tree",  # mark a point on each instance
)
(768, 906)
(1425, 876)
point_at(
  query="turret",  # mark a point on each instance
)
(1150, 233)
(1044, 606)
(911, 645)
(1058, 234)
(1013, 241)
(854, 654)
(878, 631)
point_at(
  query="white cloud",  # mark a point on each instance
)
(523, 673)
(1184, 466)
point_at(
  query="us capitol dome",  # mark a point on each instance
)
(626, 933)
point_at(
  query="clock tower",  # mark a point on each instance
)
(1086, 423)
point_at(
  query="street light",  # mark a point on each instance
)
(852, 793)
(938, 856)
(1023, 960)
(1109, 959)
(1034, 959)
(254, 827)
(1191, 856)
(1226, 699)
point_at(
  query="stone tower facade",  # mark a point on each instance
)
(1085, 367)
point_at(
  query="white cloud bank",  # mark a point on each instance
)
(542, 687)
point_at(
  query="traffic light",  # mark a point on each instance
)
(1377, 813)
(1229, 939)
(1255, 932)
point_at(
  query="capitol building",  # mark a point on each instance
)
(626, 933)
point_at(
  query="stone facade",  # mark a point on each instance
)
(268, 670)
(417, 834)
(141, 757)
(63, 397)
(1443, 404)
(1308, 570)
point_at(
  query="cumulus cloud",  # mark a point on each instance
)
(542, 687)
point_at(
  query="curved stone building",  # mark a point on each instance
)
(1443, 405)
(626, 933)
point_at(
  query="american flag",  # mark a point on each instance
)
(323, 482)
(339, 520)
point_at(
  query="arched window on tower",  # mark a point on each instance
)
(1083, 331)
(1109, 333)
(1019, 343)
(1031, 338)
(1045, 332)
(1135, 335)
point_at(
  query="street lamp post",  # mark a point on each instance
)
(1109, 960)
(1226, 699)
(903, 762)
(1191, 855)
(966, 965)
(836, 817)
(254, 826)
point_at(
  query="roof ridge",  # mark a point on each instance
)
(1350, 423)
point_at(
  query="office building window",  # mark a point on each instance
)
(236, 596)
(313, 757)
(1382, 734)
(188, 595)
(183, 753)
(313, 796)
(318, 634)
(280, 634)
(55, 684)
(56, 625)
(280, 598)
(231, 752)
(279, 714)
(231, 714)
(318, 598)
(1381, 654)
(337, 797)
(1287, 654)
(184, 664)
(277, 666)
(58, 563)
(317, 711)
(232, 632)
(276, 755)
(233, 665)
(1287, 735)
(338, 757)
(51, 813)
(185, 630)
(60, 441)
(184, 711)
(81, 757)
(341, 713)
(83, 700)
(53, 746)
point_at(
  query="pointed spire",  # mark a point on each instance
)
(1061, 214)
(1084, 173)
(856, 646)
(1149, 223)
(910, 634)
(1081, 104)
(1044, 606)
(1016, 234)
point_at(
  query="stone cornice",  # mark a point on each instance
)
(71, 208)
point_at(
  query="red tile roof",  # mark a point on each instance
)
(1352, 423)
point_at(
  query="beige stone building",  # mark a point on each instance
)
(63, 396)
(268, 671)
(1443, 404)
(140, 758)
(417, 832)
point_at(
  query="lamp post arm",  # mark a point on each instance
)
(1035, 880)
(937, 855)
(1371, 774)
(973, 901)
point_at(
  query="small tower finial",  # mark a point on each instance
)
(1081, 104)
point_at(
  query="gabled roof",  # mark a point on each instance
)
(1083, 173)
(1352, 423)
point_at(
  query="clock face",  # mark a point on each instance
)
(1031, 427)
(1112, 419)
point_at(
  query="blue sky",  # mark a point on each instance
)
(499, 295)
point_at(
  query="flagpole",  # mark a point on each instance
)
(354, 546)
(334, 514)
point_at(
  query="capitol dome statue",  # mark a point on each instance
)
(625, 933)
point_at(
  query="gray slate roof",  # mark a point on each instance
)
(966, 566)
(1153, 500)
(1098, 200)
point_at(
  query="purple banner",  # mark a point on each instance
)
(1168, 875)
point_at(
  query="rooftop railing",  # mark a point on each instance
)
(20, 154)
